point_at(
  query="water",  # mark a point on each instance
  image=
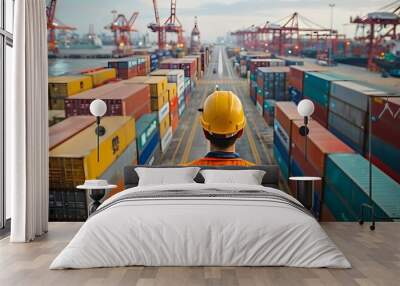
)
(59, 67)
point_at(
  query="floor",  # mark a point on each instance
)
(374, 255)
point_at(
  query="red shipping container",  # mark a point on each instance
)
(320, 142)
(306, 168)
(320, 113)
(296, 75)
(387, 127)
(174, 120)
(121, 99)
(67, 128)
(385, 168)
(285, 112)
(173, 104)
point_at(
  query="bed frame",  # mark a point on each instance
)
(270, 179)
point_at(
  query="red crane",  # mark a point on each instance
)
(171, 25)
(122, 28)
(288, 37)
(52, 25)
(376, 28)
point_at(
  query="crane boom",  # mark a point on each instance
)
(133, 19)
(51, 12)
(156, 12)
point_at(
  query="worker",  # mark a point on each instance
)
(223, 121)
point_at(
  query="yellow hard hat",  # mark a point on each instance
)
(223, 114)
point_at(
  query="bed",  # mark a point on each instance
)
(197, 224)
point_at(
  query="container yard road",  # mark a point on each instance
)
(189, 142)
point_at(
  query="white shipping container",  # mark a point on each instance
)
(354, 93)
(166, 140)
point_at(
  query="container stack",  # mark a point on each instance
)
(65, 86)
(186, 64)
(285, 114)
(346, 188)
(126, 68)
(348, 113)
(310, 161)
(148, 138)
(386, 132)
(296, 80)
(102, 76)
(73, 159)
(121, 99)
(292, 61)
(258, 63)
(317, 87)
(198, 64)
(271, 87)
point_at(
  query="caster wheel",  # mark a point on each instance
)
(361, 222)
(372, 227)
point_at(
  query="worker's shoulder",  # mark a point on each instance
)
(207, 161)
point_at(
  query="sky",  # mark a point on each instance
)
(215, 17)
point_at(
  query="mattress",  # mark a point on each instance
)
(201, 225)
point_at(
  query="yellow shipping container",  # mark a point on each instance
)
(164, 125)
(102, 76)
(76, 159)
(158, 84)
(158, 102)
(171, 88)
(63, 86)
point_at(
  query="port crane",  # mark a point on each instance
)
(52, 25)
(171, 25)
(289, 37)
(122, 28)
(376, 29)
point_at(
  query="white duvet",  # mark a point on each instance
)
(200, 231)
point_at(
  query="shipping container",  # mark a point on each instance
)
(164, 120)
(285, 113)
(63, 86)
(56, 116)
(317, 86)
(68, 205)
(126, 67)
(283, 165)
(347, 177)
(103, 76)
(166, 140)
(354, 94)
(320, 142)
(75, 160)
(386, 125)
(67, 128)
(158, 89)
(146, 127)
(121, 99)
(273, 82)
(171, 89)
(269, 111)
(173, 76)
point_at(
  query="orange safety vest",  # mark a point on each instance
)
(210, 161)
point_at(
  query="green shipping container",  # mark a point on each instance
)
(281, 163)
(145, 128)
(338, 206)
(347, 176)
(317, 85)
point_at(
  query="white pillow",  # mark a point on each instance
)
(247, 177)
(166, 176)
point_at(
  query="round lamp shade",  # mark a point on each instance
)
(305, 108)
(98, 108)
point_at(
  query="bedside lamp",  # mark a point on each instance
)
(98, 108)
(305, 109)
(97, 188)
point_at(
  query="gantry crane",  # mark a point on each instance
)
(377, 28)
(52, 25)
(171, 25)
(122, 28)
(287, 37)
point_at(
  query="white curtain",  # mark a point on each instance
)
(26, 124)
